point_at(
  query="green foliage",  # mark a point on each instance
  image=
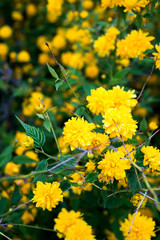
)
(16, 195)
(22, 159)
(91, 177)
(52, 71)
(42, 165)
(132, 179)
(36, 134)
(6, 155)
(143, 125)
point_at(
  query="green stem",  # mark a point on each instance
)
(69, 85)
(33, 227)
(55, 137)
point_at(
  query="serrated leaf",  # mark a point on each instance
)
(70, 163)
(16, 196)
(6, 155)
(132, 179)
(52, 71)
(143, 125)
(58, 84)
(23, 160)
(42, 165)
(47, 125)
(91, 177)
(36, 134)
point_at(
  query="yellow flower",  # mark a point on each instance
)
(66, 219)
(31, 10)
(142, 228)
(97, 100)
(12, 169)
(118, 98)
(48, 195)
(129, 148)
(80, 230)
(151, 157)
(19, 142)
(87, 4)
(5, 32)
(55, 8)
(92, 71)
(59, 42)
(99, 142)
(32, 155)
(105, 43)
(28, 142)
(27, 217)
(23, 56)
(101, 100)
(153, 126)
(134, 45)
(90, 166)
(83, 14)
(136, 199)
(77, 133)
(113, 166)
(110, 235)
(157, 56)
(3, 50)
(79, 178)
(135, 5)
(124, 122)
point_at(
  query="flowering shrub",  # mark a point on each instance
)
(79, 86)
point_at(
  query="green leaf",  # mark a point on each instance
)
(58, 84)
(143, 125)
(119, 75)
(70, 163)
(23, 160)
(16, 196)
(47, 125)
(111, 202)
(63, 70)
(3, 203)
(6, 155)
(132, 179)
(36, 134)
(139, 20)
(91, 177)
(52, 71)
(42, 165)
(41, 116)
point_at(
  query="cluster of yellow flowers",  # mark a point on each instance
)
(34, 103)
(157, 56)
(55, 7)
(71, 226)
(115, 106)
(129, 5)
(104, 44)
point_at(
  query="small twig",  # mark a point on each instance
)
(34, 227)
(15, 209)
(148, 196)
(144, 142)
(145, 83)
(64, 74)
(5, 236)
(137, 212)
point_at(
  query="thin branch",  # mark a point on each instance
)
(147, 196)
(33, 227)
(5, 236)
(144, 142)
(145, 83)
(137, 212)
(15, 209)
